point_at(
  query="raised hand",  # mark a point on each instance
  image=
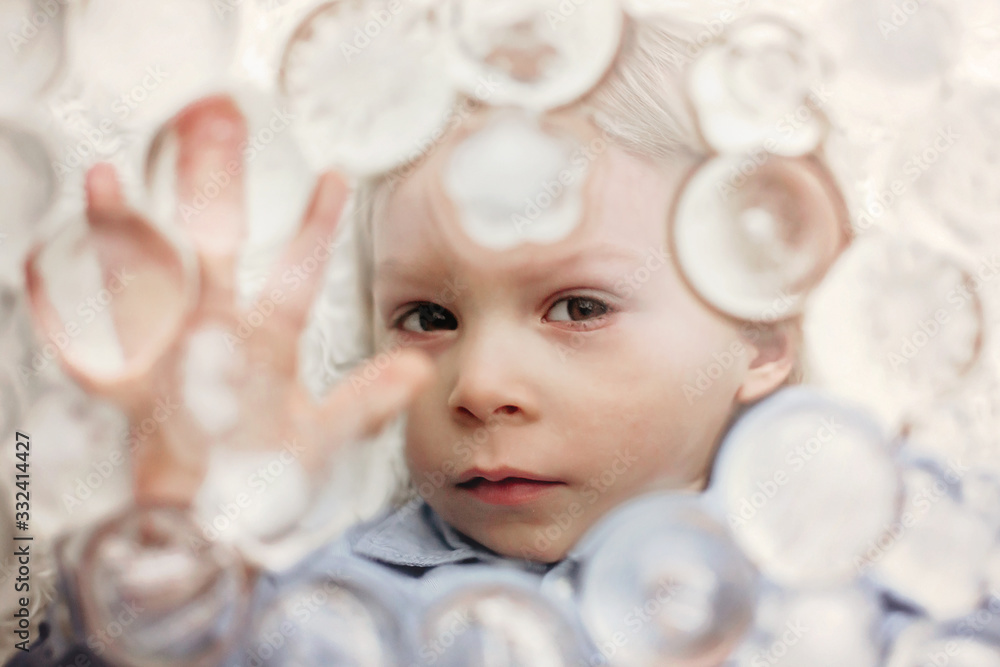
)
(175, 364)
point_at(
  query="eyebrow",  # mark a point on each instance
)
(397, 267)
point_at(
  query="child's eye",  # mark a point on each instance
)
(577, 309)
(426, 317)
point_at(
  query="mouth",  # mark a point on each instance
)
(510, 490)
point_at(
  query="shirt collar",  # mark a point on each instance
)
(414, 535)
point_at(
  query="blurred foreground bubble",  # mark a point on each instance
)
(824, 628)
(135, 61)
(34, 31)
(957, 162)
(515, 181)
(350, 616)
(806, 484)
(109, 295)
(924, 644)
(364, 84)
(901, 42)
(170, 597)
(895, 325)
(80, 443)
(537, 54)
(754, 235)
(760, 88)
(666, 575)
(935, 555)
(490, 617)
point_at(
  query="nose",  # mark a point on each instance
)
(492, 380)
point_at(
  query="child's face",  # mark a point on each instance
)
(563, 362)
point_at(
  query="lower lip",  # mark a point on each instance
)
(510, 491)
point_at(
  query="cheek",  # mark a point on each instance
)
(424, 438)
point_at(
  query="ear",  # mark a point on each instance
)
(774, 349)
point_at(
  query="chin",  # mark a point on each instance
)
(542, 550)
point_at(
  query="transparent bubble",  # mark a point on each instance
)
(108, 297)
(175, 598)
(496, 619)
(33, 55)
(139, 60)
(894, 325)
(80, 443)
(760, 88)
(365, 84)
(661, 561)
(828, 627)
(935, 555)
(807, 485)
(925, 644)
(537, 55)
(272, 504)
(955, 163)
(343, 619)
(753, 237)
(505, 181)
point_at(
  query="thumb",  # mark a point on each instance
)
(360, 407)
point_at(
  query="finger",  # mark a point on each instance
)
(308, 253)
(104, 193)
(361, 408)
(117, 320)
(211, 134)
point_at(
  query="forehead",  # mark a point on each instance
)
(626, 203)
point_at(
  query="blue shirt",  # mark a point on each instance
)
(417, 558)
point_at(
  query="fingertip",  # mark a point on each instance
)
(328, 198)
(415, 365)
(103, 189)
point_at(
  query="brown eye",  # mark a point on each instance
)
(577, 309)
(427, 317)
